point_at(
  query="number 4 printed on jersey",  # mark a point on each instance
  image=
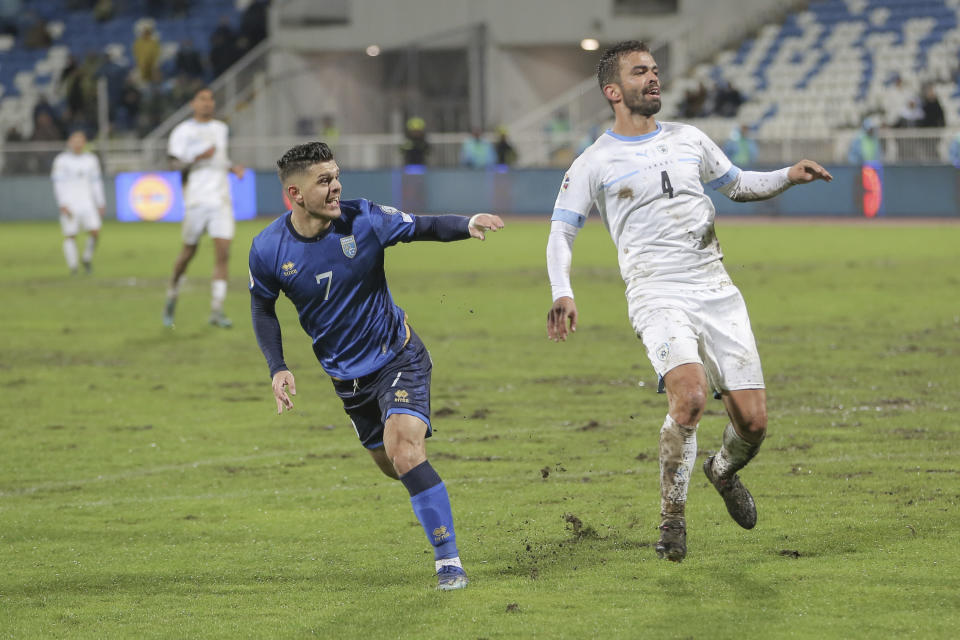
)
(665, 183)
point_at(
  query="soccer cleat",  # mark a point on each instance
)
(672, 544)
(88, 267)
(451, 577)
(168, 308)
(217, 319)
(740, 504)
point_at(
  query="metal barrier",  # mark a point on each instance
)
(377, 151)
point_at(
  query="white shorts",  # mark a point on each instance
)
(216, 221)
(82, 219)
(709, 327)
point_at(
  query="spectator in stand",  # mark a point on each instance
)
(476, 152)
(932, 111)
(103, 11)
(35, 34)
(146, 53)
(9, 14)
(44, 106)
(415, 147)
(954, 151)
(115, 73)
(740, 147)
(558, 132)
(329, 132)
(253, 23)
(866, 147)
(506, 154)
(44, 130)
(128, 112)
(694, 101)
(727, 101)
(223, 47)
(188, 61)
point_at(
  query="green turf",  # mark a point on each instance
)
(148, 490)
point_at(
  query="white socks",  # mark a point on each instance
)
(70, 253)
(173, 291)
(678, 451)
(734, 454)
(219, 291)
(88, 250)
(446, 562)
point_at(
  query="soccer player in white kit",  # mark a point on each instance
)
(78, 188)
(646, 179)
(198, 147)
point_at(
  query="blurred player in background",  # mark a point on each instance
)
(327, 257)
(645, 178)
(198, 148)
(78, 188)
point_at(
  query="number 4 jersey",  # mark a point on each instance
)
(649, 192)
(337, 283)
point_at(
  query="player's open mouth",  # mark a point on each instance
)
(653, 91)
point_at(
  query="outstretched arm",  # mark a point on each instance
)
(559, 259)
(748, 186)
(450, 227)
(266, 326)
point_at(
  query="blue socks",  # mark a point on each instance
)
(431, 504)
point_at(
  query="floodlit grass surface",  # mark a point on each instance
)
(148, 490)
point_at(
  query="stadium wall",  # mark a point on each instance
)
(907, 192)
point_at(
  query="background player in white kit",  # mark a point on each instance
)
(646, 179)
(78, 188)
(198, 148)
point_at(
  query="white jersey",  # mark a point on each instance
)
(77, 182)
(649, 192)
(207, 184)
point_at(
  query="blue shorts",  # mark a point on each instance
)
(402, 386)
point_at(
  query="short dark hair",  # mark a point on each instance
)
(301, 157)
(608, 71)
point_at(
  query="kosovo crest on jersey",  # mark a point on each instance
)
(349, 246)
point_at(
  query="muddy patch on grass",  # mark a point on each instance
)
(480, 414)
(590, 426)
(577, 528)
(137, 427)
(789, 553)
(443, 412)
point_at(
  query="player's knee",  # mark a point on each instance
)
(689, 405)
(406, 454)
(753, 425)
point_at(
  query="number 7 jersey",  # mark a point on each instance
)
(337, 284)
(649, 192)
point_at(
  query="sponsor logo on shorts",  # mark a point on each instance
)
(663, 352)
(440, 534)
(401, 396)
(349, 246)
(288, 268)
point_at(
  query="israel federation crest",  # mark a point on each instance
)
(349, 246)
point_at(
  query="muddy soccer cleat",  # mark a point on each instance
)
(450, 577)
(672, 544)
(740, 504)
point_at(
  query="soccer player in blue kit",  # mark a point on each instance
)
(327, 255)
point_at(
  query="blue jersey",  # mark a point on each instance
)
(337, 283)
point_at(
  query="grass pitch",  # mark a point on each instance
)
(147, 488)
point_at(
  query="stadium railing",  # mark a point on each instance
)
(376, 151)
